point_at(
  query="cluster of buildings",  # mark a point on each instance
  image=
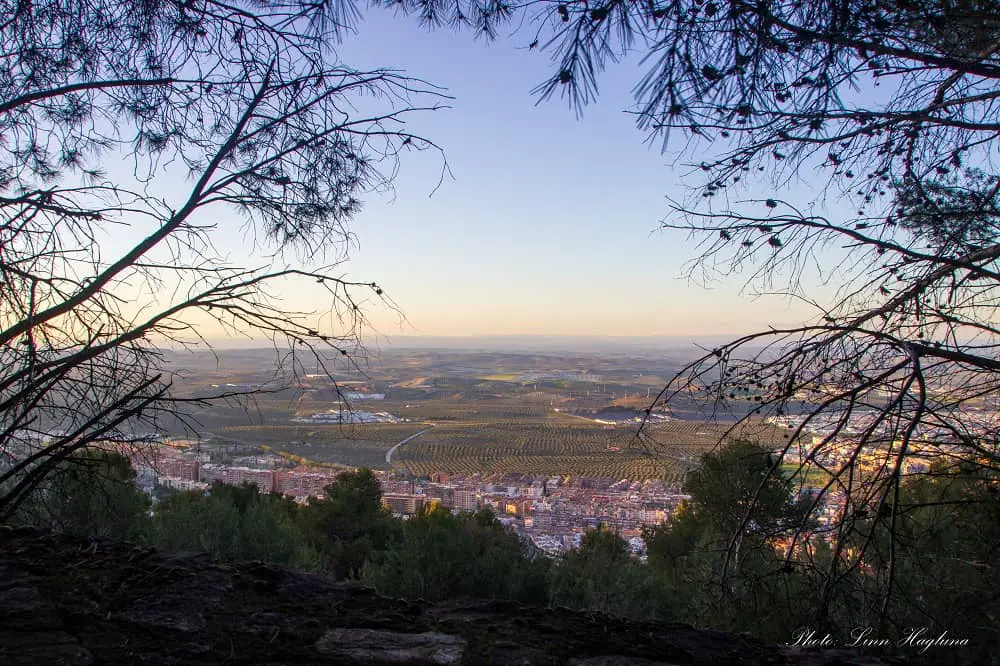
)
(974, 421)
(551, 511)
(353, 416)
(866, 446)
(351, 396)
(870, 443)
(184, 466)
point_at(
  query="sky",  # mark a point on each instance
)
(550, 224)
(545, 224)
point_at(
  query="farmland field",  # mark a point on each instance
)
(501, 377)
(571, 448)
(351, 445)
(497, 440)
(479, 417)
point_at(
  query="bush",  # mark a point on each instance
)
(466, 555)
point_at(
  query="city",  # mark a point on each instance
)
(552, 511)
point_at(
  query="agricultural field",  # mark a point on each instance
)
(499, 436)
(462, 408)
(570, 447)
(482, 418)
(532, 448)
(350, 445)
(695, 437)
(501, 377)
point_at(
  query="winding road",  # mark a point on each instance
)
(388, 454)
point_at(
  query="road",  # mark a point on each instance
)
(388, 454)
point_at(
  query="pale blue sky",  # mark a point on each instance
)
(550, 225)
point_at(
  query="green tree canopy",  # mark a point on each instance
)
(444, 555)
(215, 110)
(740, 498)
(602, 575)
(233, 522)
(718, 554)
(740, 488)
(91, 493)
(348, 524)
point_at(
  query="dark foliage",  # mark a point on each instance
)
(132, 130)
(890, 107)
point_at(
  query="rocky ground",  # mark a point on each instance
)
(66, 601)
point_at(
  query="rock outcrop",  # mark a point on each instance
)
(65, 601)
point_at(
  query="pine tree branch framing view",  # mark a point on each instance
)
(243, 104)
(132, 134)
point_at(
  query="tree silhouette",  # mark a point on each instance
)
(892, 107)
(131, 133)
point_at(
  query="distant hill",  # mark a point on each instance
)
(567, 343)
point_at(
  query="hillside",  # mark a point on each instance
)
(65, 601)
